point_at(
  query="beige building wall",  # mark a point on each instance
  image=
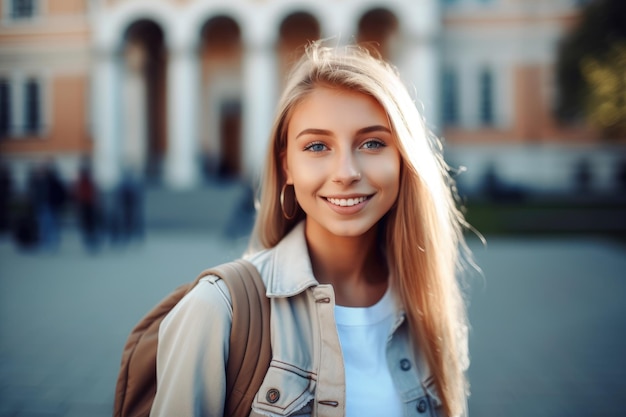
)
(52, 49)
(515, 40)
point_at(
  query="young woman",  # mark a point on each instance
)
(358, 240)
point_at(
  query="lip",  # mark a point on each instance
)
(352, 203)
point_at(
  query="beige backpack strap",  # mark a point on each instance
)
(250, 348)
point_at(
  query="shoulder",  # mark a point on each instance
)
(209, 298)
(193, 349)
(263, 261)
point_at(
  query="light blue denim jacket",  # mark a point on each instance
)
(306, 374)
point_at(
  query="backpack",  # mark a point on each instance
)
(250, 350)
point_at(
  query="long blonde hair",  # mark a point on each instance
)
(423, 235)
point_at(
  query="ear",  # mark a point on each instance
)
(285, 167)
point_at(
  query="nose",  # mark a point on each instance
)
(347, 169)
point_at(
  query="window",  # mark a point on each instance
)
(22, 107)
(450, 99)
(5, 107)
(32, 106)
(486, 98)
(22, 9)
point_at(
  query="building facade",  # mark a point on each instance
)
(181, 90)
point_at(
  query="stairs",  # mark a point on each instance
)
(224, 207)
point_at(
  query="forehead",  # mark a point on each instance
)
(336, 108)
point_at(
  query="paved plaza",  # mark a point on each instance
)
(548, 321)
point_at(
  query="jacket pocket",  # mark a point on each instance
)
(430, 404)
(285, 390)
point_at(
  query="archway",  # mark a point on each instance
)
(144, 98)
(296, 30)
(378, 32)
(221, 55)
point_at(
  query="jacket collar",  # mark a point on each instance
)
(287, 271)
(290, 271)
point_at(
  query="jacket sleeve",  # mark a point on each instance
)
(192, 353)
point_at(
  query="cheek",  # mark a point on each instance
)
(306, 176)
(305, 169)
(292, 166)
(304, 183)
(388, 174)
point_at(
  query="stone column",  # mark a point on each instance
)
(336, 24)
(421, 65)
(107, 129)
(181, 169)
(421, 70)
(135, 119)
(259, 104)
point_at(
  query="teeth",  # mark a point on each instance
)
(347, 202)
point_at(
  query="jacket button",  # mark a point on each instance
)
(405, 364)
(421, 406)
(272, 395)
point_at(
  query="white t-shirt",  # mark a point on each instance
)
(363, 333)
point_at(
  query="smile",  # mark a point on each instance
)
(346, 202)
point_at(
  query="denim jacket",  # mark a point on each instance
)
(306, 374)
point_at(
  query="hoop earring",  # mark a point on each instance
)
(282, 204)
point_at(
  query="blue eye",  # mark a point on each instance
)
(373, 144)
(315, 147)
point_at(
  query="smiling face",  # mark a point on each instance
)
(342, 161)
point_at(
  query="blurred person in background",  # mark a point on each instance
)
(48, 193)
(130, 197)
(86, 200)
(6, 197)
(125, 216)
(620, 177)
(358, 239)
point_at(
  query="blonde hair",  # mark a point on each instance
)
(423, 236)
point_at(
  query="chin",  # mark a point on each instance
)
(350, 230)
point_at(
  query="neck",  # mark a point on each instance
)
(355, 266)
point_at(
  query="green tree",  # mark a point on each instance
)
(591, 69)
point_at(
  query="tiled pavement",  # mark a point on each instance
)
(549, 329)
(548, 322)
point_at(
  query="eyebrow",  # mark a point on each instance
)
(323, 132)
